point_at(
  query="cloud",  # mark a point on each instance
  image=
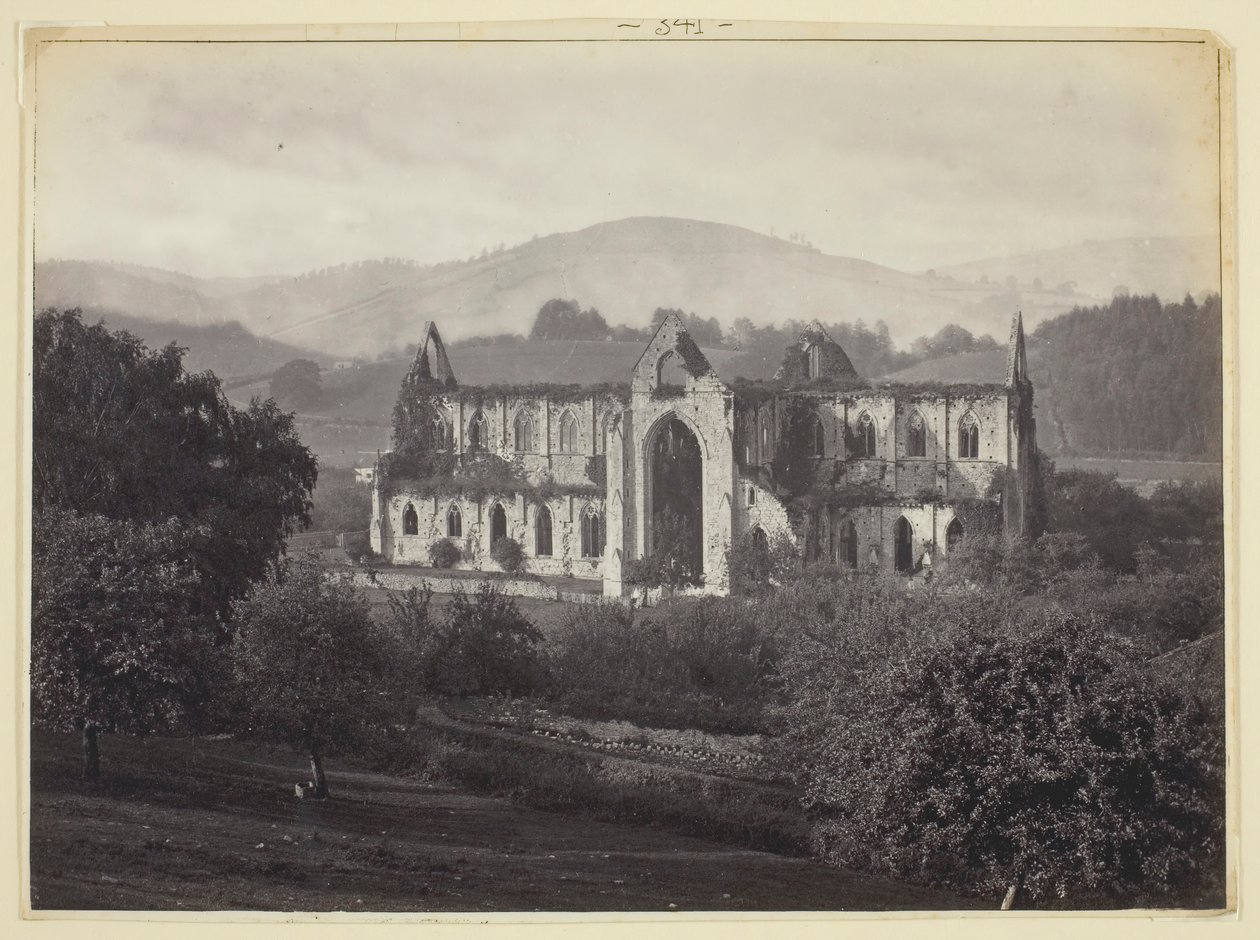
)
(264, 158)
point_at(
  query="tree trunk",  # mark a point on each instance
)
(320, 790)
(1009, 901)
(91, 753)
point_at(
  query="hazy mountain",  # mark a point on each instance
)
(1170, 267)
(227, 349)
(627, 269)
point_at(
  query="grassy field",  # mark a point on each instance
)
(179, 824)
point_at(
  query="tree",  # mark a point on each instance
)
(124, 432)
(484, 646)
(297, 382)
(117, 640)
(565, 319)
(311, 668)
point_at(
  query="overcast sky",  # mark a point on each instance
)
(241, 159)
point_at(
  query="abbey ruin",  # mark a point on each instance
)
(590, 480)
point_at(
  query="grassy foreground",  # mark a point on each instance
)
(179, 824)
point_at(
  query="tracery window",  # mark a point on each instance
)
(592, 533)
(478, 432)
(523, 430)
(569, 434)
(916, 436)
(438, 433)
(969, 437)
(542, 532)
(865, 435)
(454, 523)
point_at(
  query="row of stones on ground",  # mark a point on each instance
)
(509, 721)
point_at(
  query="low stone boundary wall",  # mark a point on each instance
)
(515, 587)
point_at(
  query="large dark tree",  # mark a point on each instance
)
(117, 642)
(124, 432)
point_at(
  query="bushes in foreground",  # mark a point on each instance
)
(703, 663)
(989, 751)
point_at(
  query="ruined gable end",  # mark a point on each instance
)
(816, 357)
(1016, 356)
(431, 364)
(672, 344)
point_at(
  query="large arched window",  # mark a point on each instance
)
(523, 433)
(818, 440)
(478, 432)
(953, 535)
(437, 433)
(815, 360)
(569, 440)
(865, 435)
(592, 533)
(916, 436)
(454, 523)
(969, 437)
(542, 532)
(411, 522)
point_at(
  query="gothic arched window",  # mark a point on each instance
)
(953, 535)
(478, 432)
(454, 523)
(569, 434)
(523, 433)
(916, 436)
(969, 437)
(815, 361)
(903, 539)
(542, 532)
(498, 523)
(818, 439)
(411, 522)
(437, 430)
(865, 435)
(592, 534)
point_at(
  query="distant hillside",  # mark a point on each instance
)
(1170, 267)
(227, 349)
(627, 269)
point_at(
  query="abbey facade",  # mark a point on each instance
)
(590, 480)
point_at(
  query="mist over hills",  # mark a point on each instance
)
(627, 269)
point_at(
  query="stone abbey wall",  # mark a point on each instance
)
(891, 495)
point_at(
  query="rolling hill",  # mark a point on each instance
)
(626, 269)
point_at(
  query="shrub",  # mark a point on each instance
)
(444, 554)
(508, 555)
(755, 565)
(997, 754)
(485, 645)
(704, 663)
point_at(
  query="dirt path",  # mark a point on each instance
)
(214, 826)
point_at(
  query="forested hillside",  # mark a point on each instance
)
(1135, 376)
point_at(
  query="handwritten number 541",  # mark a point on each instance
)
(688, 27)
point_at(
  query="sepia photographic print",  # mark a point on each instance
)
(628, 466)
